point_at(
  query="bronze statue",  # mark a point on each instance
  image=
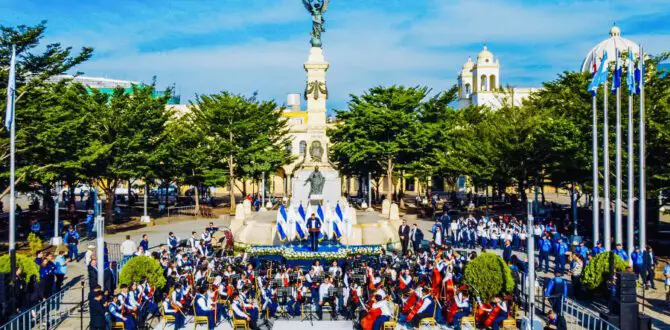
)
(317, 8)
(316, 181)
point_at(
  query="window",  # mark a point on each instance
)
(492, 82)
(303, 147)
(484, 81)
(468, 89)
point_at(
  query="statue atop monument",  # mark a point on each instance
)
(317, 8)
(316, 182)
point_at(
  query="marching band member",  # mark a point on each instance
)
(325, 298)
(463, 304)
(168, 309)
(334, 270)
(115, 311)
(128, 304)
(193, 243)
(172, 243)
(203, 308)
(386, 312)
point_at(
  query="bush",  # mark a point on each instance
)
(597, 271)
(25, 263)
(140, 267)
(34, 243)
(487, 275)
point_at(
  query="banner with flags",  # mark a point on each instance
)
(300, 230)
(282, 220)
(600, 76)
(11, 91)
(639, 72)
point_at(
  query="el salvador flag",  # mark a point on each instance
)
(301, 212)
(630, 79)
(319, 214)
(639, 73)
(282, 218)
(616, 77)
(337, 221)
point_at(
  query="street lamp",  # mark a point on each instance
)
(56, 239)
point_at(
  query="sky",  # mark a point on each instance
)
(244, 46)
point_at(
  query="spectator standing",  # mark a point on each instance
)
(637, 258)
(144, 243)
(545, 249)
(416, 236)
(557, 288)
(35, 227)
(507, 252)
(61, 269)
(72, 240)
(92, 275)
(403, 233)
(561, 250)
(88, 256)
(111, 277)
(98, 309)
(128, 248)
(649, 266)
(621, 252)
(90, 221)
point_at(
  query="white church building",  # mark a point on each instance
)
(479, 84)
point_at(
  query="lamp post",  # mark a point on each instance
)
(530, 252)
(145, 218)
(100, 243)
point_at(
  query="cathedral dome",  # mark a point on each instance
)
(485, 56)
(467, 67)
(610, 45)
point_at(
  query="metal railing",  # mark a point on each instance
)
(181, 210)
(47, 314)
(580, 317)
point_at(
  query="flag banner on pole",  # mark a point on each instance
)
(600, 77)
(338, 212)
(281, 220)
(337, 221)
(301, 213)
(639, 72)
(630, 75)
(11, 89)
(319, 215)
(616, 76)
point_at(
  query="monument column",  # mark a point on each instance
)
(316, 90)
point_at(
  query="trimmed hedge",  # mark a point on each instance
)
(487, 275)
(140, 267)
(25, 263)
(597, 271)
(34, 243)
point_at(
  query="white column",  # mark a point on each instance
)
(56, 239)
(145, 218)
(100, 250)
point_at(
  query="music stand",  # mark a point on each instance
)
(282, 301)
(308, 309)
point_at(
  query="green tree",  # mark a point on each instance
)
(126, 130)
(35, 63)
(382, 126)
(242, 135)
(142, 267)
(488, 275)
(25, 263)
(597, 271)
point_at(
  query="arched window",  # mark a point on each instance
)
(492, 82)
(468, 90)
(483, 80)
(303, 147)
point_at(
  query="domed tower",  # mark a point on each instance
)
(610, 45)
(486, 73)
(465, 82)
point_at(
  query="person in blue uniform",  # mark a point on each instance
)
(202, 308)
(116, 314)
(314, 223)
(172, 242)
(72, 239)
(170, 311)
(559, 261)
(557, 288)
(545, 249)
(621, 252)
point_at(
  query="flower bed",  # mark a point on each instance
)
(290, 253)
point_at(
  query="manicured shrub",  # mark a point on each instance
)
(25, 263)
(597, 271)
(34, 243)
(140, 267)
(487, 275)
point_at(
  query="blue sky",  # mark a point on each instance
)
(204, 46)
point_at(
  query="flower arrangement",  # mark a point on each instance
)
(290, 254)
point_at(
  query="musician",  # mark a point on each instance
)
(211, 228)
(193, 242)
(314, 223)
(405, 280)
(115, 311)
(427, 307)
(240, 313)
(250, 308)
(203, 308)
(326, 299)
(384, 305)
(170, 310)
(355, 294)
(178, 299)
(334, 270)
(213, 301)
(228, 272)
(207, 240)
(463, 304)
(502, 315)
(127, 301)
(269, 300)
(297, 298)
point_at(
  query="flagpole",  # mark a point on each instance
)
(596, 205)
(630, 225)
(606, 171)
(642, 217)
(617, 202)
(12, 150)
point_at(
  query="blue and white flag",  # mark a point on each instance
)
(301, 213)
(11, 91)
(630, 75)
(601, 75)
(324, 230)
(282, 219)
(337, 222)
(616, 76)
(639, 73)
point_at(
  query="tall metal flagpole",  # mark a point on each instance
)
(11, 115)
(606, 171)
(642, 218)
(596, 205)
(530, 252)
(630, 226)
(617, 203)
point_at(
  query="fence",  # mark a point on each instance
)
(181, 210)
(579, 317)
(49, 313)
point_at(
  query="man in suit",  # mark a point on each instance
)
(111, 277)
(92, 275)
(314, 223)
(507, 252)
(403, 233)
(97, 312)
(415, 236)
(649, 267)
